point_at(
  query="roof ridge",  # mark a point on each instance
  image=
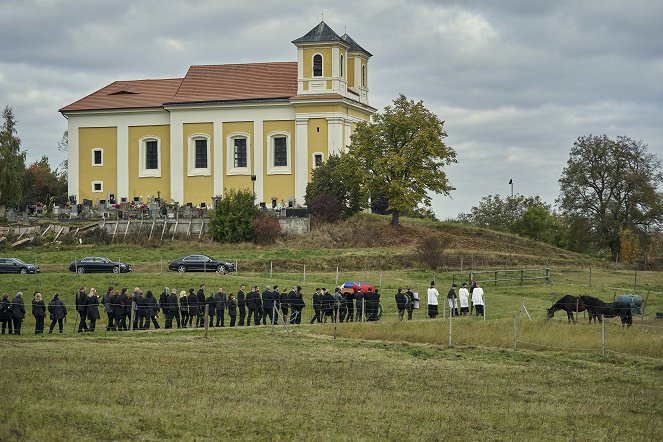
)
(244, 64)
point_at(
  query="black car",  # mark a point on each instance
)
(200, 263)
(96, 264)
(15, 265)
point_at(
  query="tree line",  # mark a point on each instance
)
(21, 185)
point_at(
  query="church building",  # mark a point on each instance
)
(257, 126)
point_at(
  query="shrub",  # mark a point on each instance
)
(325, 207)
(430, 250)
(266, 229)
(232, 218)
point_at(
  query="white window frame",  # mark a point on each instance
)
(342, 67)
(98, 149)
(313, 159)
(143, 172)
(322, 66)
(271, 168)
(363, 75)
(101, 183)
(230, 154)
(192, 169)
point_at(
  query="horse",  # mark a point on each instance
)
(592, 305)
(569, 304)
(599, 309)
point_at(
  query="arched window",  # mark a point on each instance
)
(149, 154)
(363, 75)
(317, 65)
(342, 60)
(199, 155)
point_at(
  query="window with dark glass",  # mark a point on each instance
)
(240, 152)
(97, 156)
(97, 187)
(317, 159)
(280, 152)
(317, 65)
(201, 154)
(363, 75)
(341, 66)
(151, 155)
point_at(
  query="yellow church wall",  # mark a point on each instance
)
(279, 186)
(316, 108)
(91, 138)
(351, 71)
(144, 186)
(326, 61)
(198, 189)
(317, 140)
(238, 182)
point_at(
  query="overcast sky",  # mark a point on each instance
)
(517, 81)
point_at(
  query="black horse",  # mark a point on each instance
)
(569, 304)
(598, 309)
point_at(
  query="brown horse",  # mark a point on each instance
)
(569, 304)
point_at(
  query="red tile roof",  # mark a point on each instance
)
(203, 83)
(127, 95)
(238, 82)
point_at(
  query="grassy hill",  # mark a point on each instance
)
(386, 380)
(364, 242)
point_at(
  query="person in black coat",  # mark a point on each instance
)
(299, 305)
(194, 310)
(163, 304)
(6, 314)
(108, 309)
(211, 310)
(231, 303)
(117, 311)
(18, 312)
(141, 320)
(327, 305)
(184, 308)
(81, 308)
(125, 302)
(267, 305)
(39, 312)
(252, 303)
(241, 305)
(360, 304)
(201, 305)
(401, 302)
(276, 299)
(220, 301)
(152, 310)
(93, 309)
(58, 311)
(287, 299)
(317, 306)
(173, 309)
(349, 305)
(410, 303)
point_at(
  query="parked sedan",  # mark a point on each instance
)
(91, 264)
(200, 263)
(15, 265)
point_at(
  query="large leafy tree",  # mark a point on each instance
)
(341, 178)
(12, 160)
(497, 213)
(613, 185)
(403, 154)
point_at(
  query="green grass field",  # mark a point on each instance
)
(387, 380)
